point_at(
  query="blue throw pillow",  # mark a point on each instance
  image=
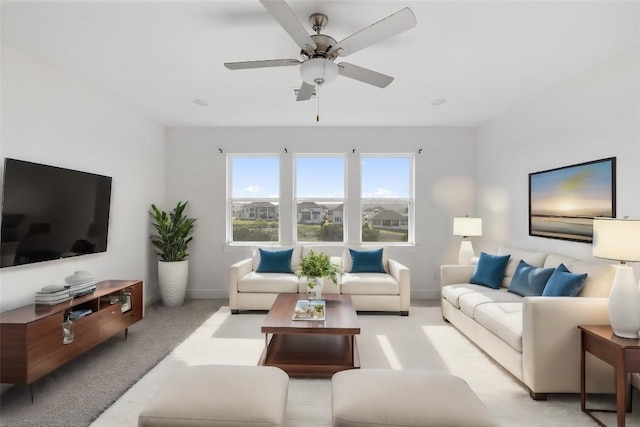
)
(490, 270)
(275, 261)
(366, 261)
(529, 281)
(563, 283)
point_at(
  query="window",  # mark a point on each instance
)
(305, 198)
(254, 188)
(387, 198)
(320, 198)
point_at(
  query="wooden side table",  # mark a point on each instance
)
(621, 353)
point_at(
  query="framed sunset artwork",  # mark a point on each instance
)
(564, 201)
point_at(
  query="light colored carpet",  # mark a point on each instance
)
(419, 341)
(78, 392)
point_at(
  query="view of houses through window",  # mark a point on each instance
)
(320, 198)
(255, 184)
(386, 200)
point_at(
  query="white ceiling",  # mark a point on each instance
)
(156, 57)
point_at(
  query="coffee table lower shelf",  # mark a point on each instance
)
(311, 355)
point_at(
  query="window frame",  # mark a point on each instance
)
(319, 200)
(230, 200)
(410, 201)
(352, 200)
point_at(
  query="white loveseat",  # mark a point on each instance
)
(389, 291)
(534, 338)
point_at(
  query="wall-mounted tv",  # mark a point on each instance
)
(50, 212)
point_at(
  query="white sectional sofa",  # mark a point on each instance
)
(535, 337)
(389, 291)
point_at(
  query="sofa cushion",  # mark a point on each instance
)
(369, 284)
(504, 319)
(268, 283)
(563, 283)
(533, 258)
(346, 258)
(452, 293)
(599, 275)
(529, 281)
(470, 301)
(599, 278)
(366, 261)
(490, 270)
(277, 261)
(554, 260)
(296, 256)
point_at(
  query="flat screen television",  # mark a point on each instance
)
(50, 213)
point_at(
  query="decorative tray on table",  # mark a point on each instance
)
(309, 310)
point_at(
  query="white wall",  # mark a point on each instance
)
(196, 171)
(48, 118)
(593, 116)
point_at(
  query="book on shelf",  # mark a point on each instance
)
(53, 290)
(46, 301)
(83, 292)
(53, 298)
(309, 310)
(77, 314)
(80, 286)
(52, 295)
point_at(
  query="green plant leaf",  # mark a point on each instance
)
(173, 232)
(318, 264)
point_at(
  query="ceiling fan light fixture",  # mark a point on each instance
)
(318, 71)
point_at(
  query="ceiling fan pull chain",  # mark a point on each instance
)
(318, 97)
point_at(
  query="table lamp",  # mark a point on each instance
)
(466, 227)
(619, 239)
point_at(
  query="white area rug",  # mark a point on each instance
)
(419, 341)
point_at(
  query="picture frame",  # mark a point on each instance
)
(563, 201)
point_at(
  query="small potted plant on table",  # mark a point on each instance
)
(316, 267)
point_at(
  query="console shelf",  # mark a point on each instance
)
(31, 336)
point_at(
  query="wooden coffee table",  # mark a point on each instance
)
(311, 348)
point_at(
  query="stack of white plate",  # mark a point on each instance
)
(80, 278)
(80, 283)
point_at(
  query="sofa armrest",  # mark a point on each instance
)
(236, 271)
(402, 274)
(551, 340)
(453, 273)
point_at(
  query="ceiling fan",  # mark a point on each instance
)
(319, 51)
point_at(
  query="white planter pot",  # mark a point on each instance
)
(172, 278)
(314, 287)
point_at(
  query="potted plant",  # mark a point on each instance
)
(315, 267)
(173, 233)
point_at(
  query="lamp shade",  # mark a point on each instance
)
(317, 71)
(616, 238)
(466, 226)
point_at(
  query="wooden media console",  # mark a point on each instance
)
(31, 336)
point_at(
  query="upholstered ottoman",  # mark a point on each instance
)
(220, 396)
(383, 397)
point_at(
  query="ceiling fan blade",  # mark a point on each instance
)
(261, 64)
(290, 22)
(388, 27)
(364, 75)
(305, 92)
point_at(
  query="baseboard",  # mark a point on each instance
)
(425, 294)
(207, 293)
